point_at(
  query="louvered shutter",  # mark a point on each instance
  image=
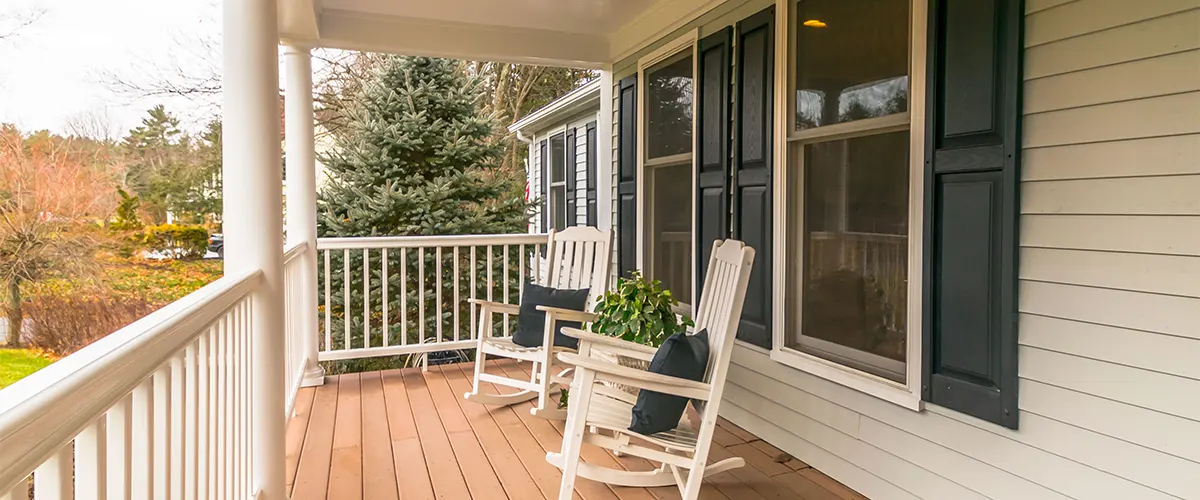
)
(569, 175)
(712, 147)
(627, 230)
(591, 145)
(752, 216)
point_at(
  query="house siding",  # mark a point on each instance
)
(1109, 324)
(533, 173)
(1109, 302)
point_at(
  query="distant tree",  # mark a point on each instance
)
(415, 158)
(198, 193)
(51, 190)
(171, 171)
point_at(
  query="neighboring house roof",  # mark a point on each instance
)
(573, 102)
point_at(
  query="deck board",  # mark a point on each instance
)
(410, 435)
(345, 476)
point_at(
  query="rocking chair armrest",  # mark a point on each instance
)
(568, 314)
(656, 382)
(496, 307)
(631, 349)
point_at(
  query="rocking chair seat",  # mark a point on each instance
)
(612, 414)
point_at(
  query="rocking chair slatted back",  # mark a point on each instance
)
(578, 258)
(720, 305)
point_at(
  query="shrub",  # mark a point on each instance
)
(178, 240)
(64, 323)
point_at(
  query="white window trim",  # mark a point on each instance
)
(906, 394)
(687, 41)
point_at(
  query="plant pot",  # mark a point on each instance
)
(625, 361)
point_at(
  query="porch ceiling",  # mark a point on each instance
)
(578, 33)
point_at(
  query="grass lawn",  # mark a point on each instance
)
(16, 364)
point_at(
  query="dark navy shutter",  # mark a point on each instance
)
(544, 185)
(590, 144)
(712, 148)
(627, 231)
(752, 164)
(569, 175)
(971, 199)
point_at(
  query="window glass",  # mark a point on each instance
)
(558, 153)
(671, 228)
(558, 207)
(669, 107)
(851, 60)
(854, 246)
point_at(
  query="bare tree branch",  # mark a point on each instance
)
(12, 23)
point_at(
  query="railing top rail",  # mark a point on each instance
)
(293, 251)
(44, 411)
(430, 241)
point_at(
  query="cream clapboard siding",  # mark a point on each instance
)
(1109, 297)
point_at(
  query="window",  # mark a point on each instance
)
(850, 202)
(667, 166)
(557, 195)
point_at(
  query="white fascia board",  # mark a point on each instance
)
(413, 36)
(655, 22)
(572, 103)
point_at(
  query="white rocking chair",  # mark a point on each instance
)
(600, 415)
(578, 258)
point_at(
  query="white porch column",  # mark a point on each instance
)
(302, 198)
(604, 160)
(253, 224)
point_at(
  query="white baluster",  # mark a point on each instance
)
(53, 479)
(90, 459)
(328, 307)
(366, 298)
(119, 448)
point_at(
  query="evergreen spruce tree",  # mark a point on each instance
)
(415, 159)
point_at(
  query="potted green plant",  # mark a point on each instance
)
(639, 311)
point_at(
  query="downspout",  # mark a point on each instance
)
(528, 173)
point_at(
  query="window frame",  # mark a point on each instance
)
(907, 394)
(686, 42)
(548, 185)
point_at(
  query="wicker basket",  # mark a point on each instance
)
(622, 360)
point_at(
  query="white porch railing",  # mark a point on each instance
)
(388, 296)
(162, 407)
(294, 360)
(159, 409)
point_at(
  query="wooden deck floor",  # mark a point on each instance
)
(404, 434)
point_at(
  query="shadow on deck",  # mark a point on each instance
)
(404, 434)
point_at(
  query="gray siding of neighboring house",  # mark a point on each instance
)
(1109, 295)
(579, 163)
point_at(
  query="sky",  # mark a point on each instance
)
(59, 69)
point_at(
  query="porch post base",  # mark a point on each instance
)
(314, 376)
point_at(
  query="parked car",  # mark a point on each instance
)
(216, 244)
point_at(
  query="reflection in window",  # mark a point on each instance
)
(669, 107)
(855, 249)
(671, 228)
(858, 53)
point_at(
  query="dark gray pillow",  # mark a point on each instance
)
(531, 323)
(683, 356)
